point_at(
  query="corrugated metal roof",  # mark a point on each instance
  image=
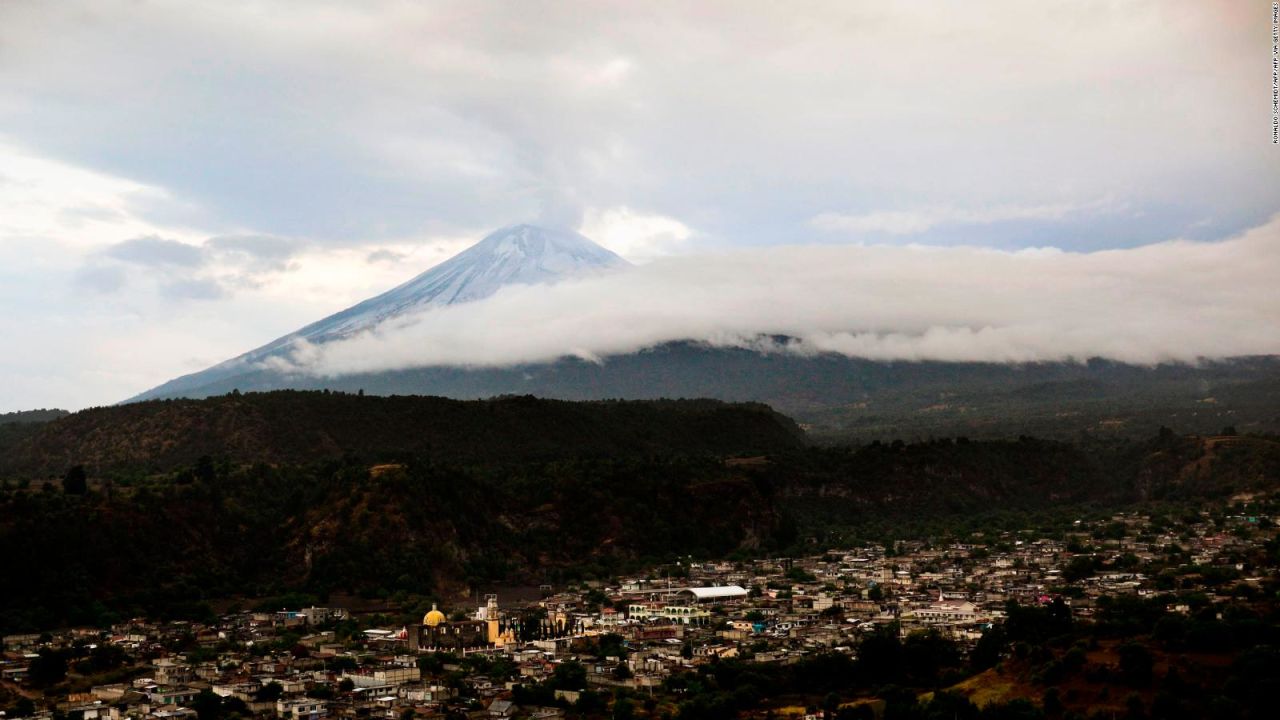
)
(720, 591)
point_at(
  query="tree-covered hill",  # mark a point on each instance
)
(845, 399)
(159, 507)
(920, 487)
(32, 416)
(312, 426)
(166, 545)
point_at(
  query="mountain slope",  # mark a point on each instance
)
(852, 398)
(31, 416)
(302, 427)
(837, 396)
(516, 255)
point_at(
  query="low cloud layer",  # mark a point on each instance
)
(911, 222)
(184, 271)
(1172, 301)
(155, 251)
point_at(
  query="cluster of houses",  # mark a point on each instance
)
(312, 663)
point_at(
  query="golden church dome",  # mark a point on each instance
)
(433, 618)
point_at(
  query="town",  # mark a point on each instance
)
(629, 646)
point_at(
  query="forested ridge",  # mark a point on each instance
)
(535, 491)
(308, 426)
(32, 416)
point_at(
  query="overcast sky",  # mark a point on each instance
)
(183, 181)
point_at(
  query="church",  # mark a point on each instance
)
(486, 629)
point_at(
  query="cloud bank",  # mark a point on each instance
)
(910, 222)
(365, 122)
(1173, 301)
(208, 271)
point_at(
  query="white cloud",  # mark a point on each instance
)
(104, 279)
(383, 255)
(84, 210)
(636, 236)
(156, 251)
(370, 121)
(97, 303)
(911, 222)
(1173, 301)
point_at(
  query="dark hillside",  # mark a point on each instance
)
(32, 416)
(167, 546)
(306, 427)
(881, 486)
(946, 477)
(16, 427)
(184, 502)
(847, 399)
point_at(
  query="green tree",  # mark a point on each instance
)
(1051, 702)
(233, 705)
(1079, 568)
(1016, 709)
(989, 649)
(75, 482)
(926, 654)
(1135, 709)
(856, 712)
(611, 645)
(590, 703)
(208, 705)
(880, 656)
(48, 667)
(623, 709)
(950, 706)
(1135, 665)
(830, 704)
(270, 692)
(569, 675)
(106, 657)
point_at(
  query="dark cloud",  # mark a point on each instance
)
(254, 253)
(156, 251)
(101, 279)
(381, 120)
(257, 246)
(181, 271)
(195, 288)
(384, 256)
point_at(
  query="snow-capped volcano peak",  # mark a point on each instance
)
(515, 255)
(533, 241)
(520, 254)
